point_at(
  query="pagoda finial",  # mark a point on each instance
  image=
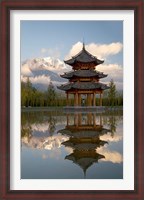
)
(83, 44)
(84, 171)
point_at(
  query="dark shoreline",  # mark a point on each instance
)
(74, 109)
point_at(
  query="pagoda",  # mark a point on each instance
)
(84, 79)
(84, 133)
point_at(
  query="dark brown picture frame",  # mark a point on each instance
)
(6, 7)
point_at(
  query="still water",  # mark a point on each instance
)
(58, 145)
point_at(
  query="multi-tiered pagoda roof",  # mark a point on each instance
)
(84, 139)
(84, 78)
(84, 57)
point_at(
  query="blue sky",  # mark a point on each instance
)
(61, 35)
(61, 39)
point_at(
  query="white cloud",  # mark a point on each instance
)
(55, 53)
(111, 69)
(23, 78)
(104, 50)
(110, 156)
(57, 83)
(114, 72)
(101, 51)
(40, 79)
(25, 70)
(37, 79)
(76, 48)
(41, 127)
(44, 142)
(43, 50)
(109, 138)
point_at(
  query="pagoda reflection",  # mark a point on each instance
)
(84, 131)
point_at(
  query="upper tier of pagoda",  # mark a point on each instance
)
(83, 60)
(84, 73)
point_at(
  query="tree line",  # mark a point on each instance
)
(30, 96)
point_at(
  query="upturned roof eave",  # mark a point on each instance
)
(70, 86)
(80, 75)
(73, 61)
(69, 77)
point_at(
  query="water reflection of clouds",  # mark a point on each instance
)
(54, 154)
(82, 138)
(49, 143)
(110, 156)
(78, 138)
(107, 137)
(41, 127)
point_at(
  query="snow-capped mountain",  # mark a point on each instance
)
(43, 70)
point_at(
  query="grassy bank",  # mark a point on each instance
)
(61, 108)
(52, 108)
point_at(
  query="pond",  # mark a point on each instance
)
(71, 145)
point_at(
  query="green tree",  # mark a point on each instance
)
(112, 123)
(52, 122)
(23, 94)
(119, 98)
(112, 93)
(51, 95)
(28, 94)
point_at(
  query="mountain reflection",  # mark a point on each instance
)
(82, 138)
(40, 133)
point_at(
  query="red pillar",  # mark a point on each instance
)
(79, 99)
(94, 99)
(67, 100)
(76, 99)
(100, 99)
